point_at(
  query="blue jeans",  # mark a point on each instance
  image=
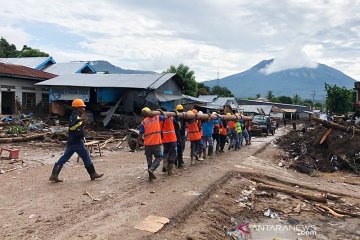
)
(80, 149)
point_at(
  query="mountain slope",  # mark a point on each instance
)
(301, 81)
(105, 66)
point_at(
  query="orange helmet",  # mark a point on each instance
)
(78, 103)
(194, 111)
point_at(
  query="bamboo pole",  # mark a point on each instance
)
(185, 115)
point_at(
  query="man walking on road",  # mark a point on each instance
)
(75, 144)
(169, 141)
(151, 129)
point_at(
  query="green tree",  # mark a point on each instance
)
(285, 99)
(270, 96)
(190, 86)
(221, 91)
(339, 100)
(31, 52)
(258, 95)
(307, 102)
(297, 99)
(7, 50)
(203, 89)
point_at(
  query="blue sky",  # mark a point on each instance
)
(206, 35)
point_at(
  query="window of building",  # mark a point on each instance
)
(28, 100)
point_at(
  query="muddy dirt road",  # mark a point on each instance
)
(33, 208)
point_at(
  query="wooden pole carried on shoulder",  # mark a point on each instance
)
(186, 115)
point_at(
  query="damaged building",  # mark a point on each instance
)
(107, 94)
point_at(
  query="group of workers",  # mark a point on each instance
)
(164, 138)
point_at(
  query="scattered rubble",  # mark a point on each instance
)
(318, 149)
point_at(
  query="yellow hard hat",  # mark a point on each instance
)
(228, 114)
(78, 103)
(179, 107)
(237, 114)
(190, 112)
(145, 109)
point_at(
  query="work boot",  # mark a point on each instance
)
(204, 153)
(211, 151)
(170, 169)
(164, 169)
(93, 174)
(55, 173)
(151, 174)
(180, 161)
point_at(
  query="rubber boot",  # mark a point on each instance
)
(204, 153)
(55, 173)
(165, 165)
(211, 151)
(180, 161)
(151, 174)
(192, 161)
(170, 169)
(217, 149)
(93, 174)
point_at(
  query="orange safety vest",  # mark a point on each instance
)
(168, 131)
(152, 135)
(223, 131)
(216, 129)
(193, 131)
(231, 124)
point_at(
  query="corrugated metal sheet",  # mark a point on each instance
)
(255, 108)
(194, 99)
(67, 68)
(142, 81)
(221, 101)
(31, 62)
(208, 98)
(163, 97)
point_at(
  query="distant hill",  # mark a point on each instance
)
(105, 66)
(302, 81)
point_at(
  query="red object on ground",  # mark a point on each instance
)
(13, 152)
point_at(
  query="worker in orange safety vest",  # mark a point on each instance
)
(150, 129)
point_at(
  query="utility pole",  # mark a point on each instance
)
(218, 78)
(313, 99)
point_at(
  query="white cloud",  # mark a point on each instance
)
(15, 35)
(152, 35)
(292, 57)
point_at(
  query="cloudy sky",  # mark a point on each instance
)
(206, 35)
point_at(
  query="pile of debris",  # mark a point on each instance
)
(322, 148)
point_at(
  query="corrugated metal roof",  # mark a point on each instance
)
(151, 81)
(31, 62)
(67, 68)
(208, 98)
(256, 108)
(195, 99)
(162, 97)
(221, 101)
(24, 72)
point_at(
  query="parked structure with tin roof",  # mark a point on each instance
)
(38, 63)
(18, 92)
(134, 90)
